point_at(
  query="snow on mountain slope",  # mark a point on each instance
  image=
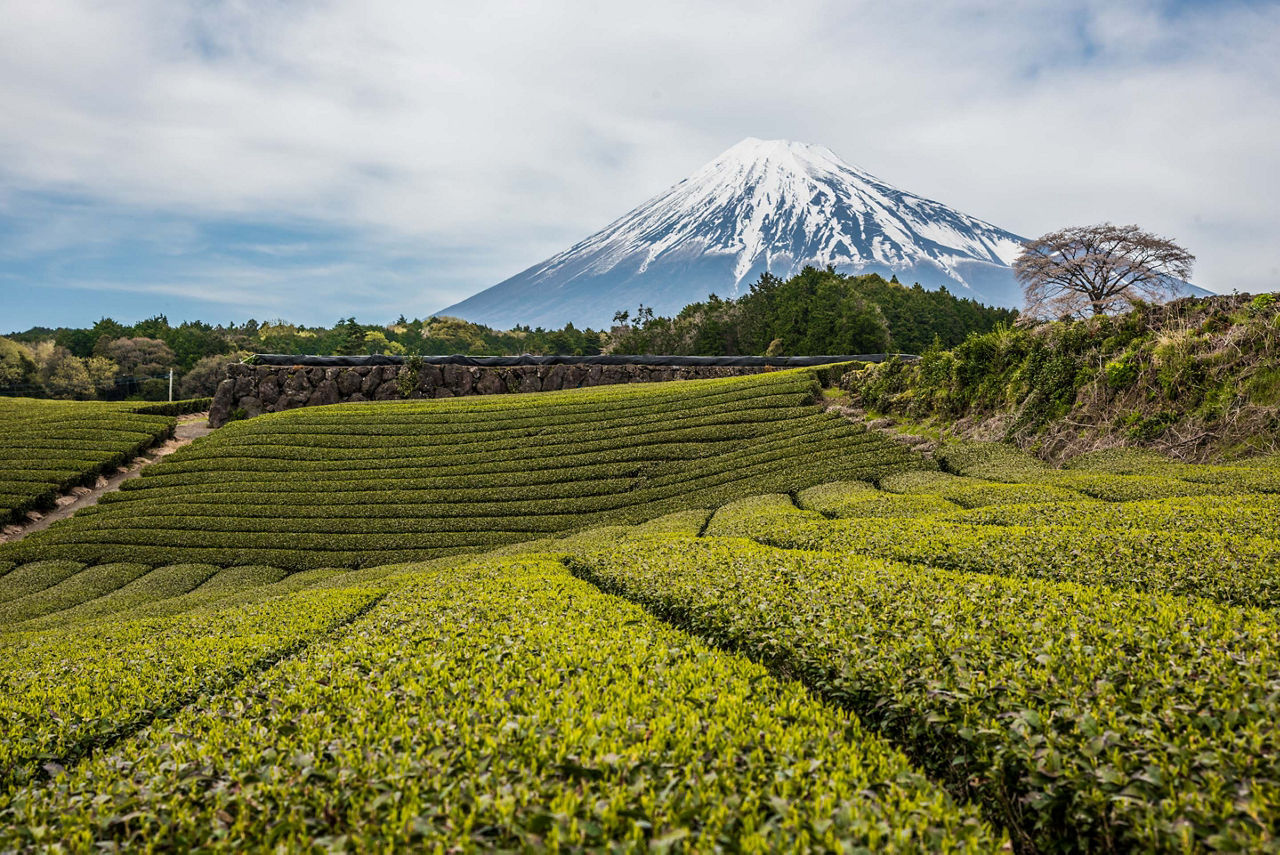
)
(762, 205)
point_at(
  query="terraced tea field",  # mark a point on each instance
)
(49, 447)
(698, 616)
(358, 485)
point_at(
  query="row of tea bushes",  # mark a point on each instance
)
(1231, 567)
(46, 596)
(1238, 516)
(360, 485)
(1117, 475)
(1081, 718)
(161, 583)
(856, 499)
(65, 692)
(49, 447)
(500, 706)
(973, 492)
(184, 407)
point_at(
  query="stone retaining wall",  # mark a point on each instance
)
(251, 390)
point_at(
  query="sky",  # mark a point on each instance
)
(317, 160)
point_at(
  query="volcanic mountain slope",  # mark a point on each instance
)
(763, 205)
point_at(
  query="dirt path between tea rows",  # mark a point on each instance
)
(189, 428)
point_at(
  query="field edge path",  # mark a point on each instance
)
(189, 429)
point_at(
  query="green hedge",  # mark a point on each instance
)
(176, 408)
(512, 470)
(50, 447)
(113, 679)
(407, 731)
(1232, 568)
(1083, 719)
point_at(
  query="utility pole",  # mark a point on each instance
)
(171, 385)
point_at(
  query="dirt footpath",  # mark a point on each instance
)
(189, 428)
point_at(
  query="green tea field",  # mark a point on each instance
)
(698, 616)
(48, 447)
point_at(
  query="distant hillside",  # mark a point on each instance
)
(1196, 378)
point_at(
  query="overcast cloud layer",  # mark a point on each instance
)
(221, 160)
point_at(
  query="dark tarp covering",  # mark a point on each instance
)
(527, 359)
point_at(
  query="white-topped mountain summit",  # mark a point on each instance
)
(763, 205)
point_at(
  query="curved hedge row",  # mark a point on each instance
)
(1115, 475)
(63, 694)
(410, 730)
(1232, 568)
(1082, 718)
(367, 484)
(49, 447)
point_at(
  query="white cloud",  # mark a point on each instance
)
(508, 129)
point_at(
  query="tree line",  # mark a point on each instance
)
(814, 312)
(113, 361)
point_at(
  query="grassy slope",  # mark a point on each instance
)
(1196, 379)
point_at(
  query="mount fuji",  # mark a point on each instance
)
(763, 205)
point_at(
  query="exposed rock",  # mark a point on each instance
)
(325, 393)
(263, 388)
(269, 391)
(349, 383)
(554, 378)
(458, 377)
(296, 381)
(431, 376)
(220, 409)
(489, 383)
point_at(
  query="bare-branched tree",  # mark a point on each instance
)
(1090, 270)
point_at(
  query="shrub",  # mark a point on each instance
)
(1121, 373)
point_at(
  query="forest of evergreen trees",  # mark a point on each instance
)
(814, 312)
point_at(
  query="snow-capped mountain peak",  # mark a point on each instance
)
(762, 205)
